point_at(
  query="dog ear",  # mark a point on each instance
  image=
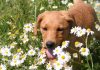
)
(68, 18)
(39, 19)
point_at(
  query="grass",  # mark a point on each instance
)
(14, 14)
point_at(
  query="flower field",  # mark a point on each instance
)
(20, 49)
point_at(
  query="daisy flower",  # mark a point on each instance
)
(41, 60)
(2, 67)
(5, 51)
(41, 54)
(49, 66)
(57, 51)
(78, 44)
(12, 45)
(64, 57)
(37, 49)
(73, 30)
(33, 67)
(84, 51)
(75, 55)
(78, 28)
(16, 56)
(68, 68)
(65, 44)
(23, 58)
(58, 65)
(89, 31)
(64, 1)
(31, 52)
(81, 32)
(70, 5)
(28, 27)
(78, 31)
(19, 51)
(24, 38)
(54, 7)
(15, 62)
(97, 27)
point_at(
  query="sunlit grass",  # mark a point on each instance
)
(17, 38)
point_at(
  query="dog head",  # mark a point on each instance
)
(55, 28)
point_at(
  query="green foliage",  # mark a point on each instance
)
(14, 14)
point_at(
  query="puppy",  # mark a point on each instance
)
(55, 26)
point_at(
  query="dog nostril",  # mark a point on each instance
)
(49, 44)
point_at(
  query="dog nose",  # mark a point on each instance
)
(49, 44)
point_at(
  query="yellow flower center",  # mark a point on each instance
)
(80, 32)
(27, 26)
(14, 56)
(48, 65)
(19, 50)
(12, 35)
(41, 52)
(31, 52)
(6, 52)
(64, 43)
(63, 57)
(40, 60)
(89, 29)
(83, 49)
(57, 50)
(58, 64)
(76, 43)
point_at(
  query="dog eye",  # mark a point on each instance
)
(60, 29)
(45, 29)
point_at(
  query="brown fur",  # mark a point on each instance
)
(84, 16)
(80, 14)
(55, 25)
(53, 21)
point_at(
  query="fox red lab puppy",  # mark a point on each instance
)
(55, 26)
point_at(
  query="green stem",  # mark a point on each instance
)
(35, 11)
(88, 64)
(91, 61)
(86, 42)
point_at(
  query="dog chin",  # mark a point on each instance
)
(49, 53)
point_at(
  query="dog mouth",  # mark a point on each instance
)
(49, 53)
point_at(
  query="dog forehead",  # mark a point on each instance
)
(53, 18)
(52, 22)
